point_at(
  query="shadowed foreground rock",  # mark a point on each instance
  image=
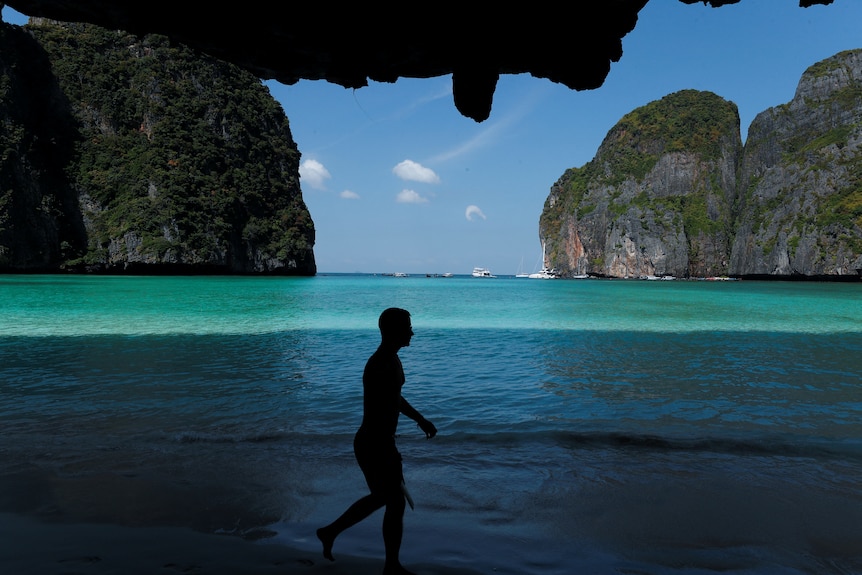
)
(573, 43)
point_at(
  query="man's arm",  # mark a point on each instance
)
(424, 424)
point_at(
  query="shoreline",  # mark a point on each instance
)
(33, 546)
(193, 270)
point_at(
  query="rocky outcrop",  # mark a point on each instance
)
(132, 155)
(656, 199)
(800, 195)
(40, 221)
(672, 191)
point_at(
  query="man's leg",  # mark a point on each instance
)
(393, 529)
(361, 509)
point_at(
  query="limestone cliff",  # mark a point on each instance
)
(128, 154)
(40, 223)
(800, 200)
(656, 199)
(672, 191)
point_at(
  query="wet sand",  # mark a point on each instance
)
(33, 547)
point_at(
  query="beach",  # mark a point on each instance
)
(33, 547)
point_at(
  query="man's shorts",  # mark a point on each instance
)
(380, 462)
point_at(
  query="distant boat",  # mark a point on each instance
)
(521, 273)
(482, 273)
(545, 273)
(400, 275)
(448, 275)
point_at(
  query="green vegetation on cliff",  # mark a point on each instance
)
(687, 121)
(672, 189)
(181, 159)
(695, 136)
(803, 200)
(40, 223)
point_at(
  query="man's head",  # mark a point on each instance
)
(395, 327)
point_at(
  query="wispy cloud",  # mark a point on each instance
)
(348, 195)
(490, 132)
(439, 92)
(484, 138)
(474, 211)
(445, 91)
(415, 172)
(314, 174)
(410, 197)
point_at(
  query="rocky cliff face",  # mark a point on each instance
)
(40, 222)
(672, 191)
(800, 194)
(127, 154)
(656, 200)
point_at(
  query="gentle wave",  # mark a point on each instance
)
(465, 445)
(735, 446)
(215, 438)
(623, 441)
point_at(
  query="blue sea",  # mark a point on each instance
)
(585, 426)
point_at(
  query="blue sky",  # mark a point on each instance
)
(398, 181)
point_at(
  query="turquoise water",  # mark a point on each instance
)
(64, 306)
(585, 426)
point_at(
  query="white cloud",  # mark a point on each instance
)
(314, 174)
(410, 197)
(474, 211)
(413, 171)
(348, 195)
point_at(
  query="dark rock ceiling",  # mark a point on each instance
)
(355, 43)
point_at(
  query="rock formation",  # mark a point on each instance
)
(800, 194)
(129, 155)
(40, 221)
(672, 191)
(573, 44)
(656, 199)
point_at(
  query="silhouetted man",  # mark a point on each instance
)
(374, 443)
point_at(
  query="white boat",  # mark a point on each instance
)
(482, 273)
(545, 273)
(400, 275)
(521, 273)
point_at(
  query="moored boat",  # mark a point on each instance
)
(545, 273)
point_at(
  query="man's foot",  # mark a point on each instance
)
(397, 569)
(327, 541)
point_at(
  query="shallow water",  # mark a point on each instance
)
(591, 426)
